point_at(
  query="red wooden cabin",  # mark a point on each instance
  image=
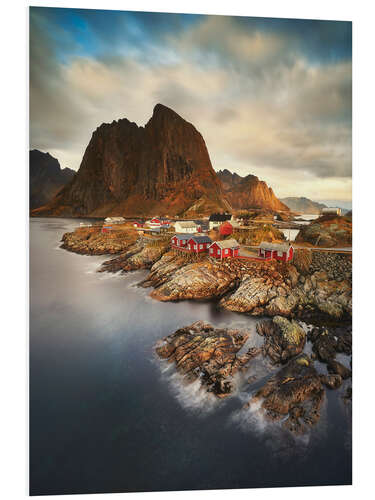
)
(180, 240)
(224, 249)
(199, 244)
(278, 251)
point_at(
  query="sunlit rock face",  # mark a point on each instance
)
(249, 192)
(161, 168)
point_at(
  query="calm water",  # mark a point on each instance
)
(106, 416)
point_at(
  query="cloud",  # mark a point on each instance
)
(261, 97)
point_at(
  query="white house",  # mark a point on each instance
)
(216, 220)
(186, 227)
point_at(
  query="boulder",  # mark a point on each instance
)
(283, 339)
(295, 392)
(202, 352)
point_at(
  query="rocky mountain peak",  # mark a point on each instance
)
(248, 192)
(130, 170)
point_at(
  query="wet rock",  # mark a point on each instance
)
(324, 345)
(327, 342)
(295, 392)
(283, 339)
(334, 366)
(331, 381)
(200, 351)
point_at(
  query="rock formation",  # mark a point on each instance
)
(46, 177)
(283, 339)
(161, 168)
(202, 352)
(249, 192)
(91, 241)
(295, 392)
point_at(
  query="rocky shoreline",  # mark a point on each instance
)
(90, 241)
(316, 286)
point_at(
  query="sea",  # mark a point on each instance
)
(107, 416)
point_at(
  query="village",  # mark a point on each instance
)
(210, 236)
(256, 235)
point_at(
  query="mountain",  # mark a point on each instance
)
(162, 168)
(248, 192)
(303, 205)
(46, 177)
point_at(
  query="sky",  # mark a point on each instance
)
(271, 97)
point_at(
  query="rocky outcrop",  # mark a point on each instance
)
(255, 287)
(339, 369)
(295, 395)
(249, 192)
(192, 281)
(141, 255)
(210, 355)
(304, 205)
(283, 339)
(175, 277)
(46, 177)
(327, 231)
(91, 241)
(161, 168)
(307, 296)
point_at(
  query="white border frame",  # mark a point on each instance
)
(14, 128)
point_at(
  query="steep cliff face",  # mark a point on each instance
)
(161, 168)
(46, 177)
(249, 192)
(304, 205)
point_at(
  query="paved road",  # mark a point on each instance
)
(313, 249)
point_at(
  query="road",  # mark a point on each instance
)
(313, 249)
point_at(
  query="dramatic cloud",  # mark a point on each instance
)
(270, 97)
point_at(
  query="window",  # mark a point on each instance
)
(201, 246)
(219, 251)
(279, 253)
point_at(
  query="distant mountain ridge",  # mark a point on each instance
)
(304, 205)
(249, 192)
(46, 177)
(161, 168)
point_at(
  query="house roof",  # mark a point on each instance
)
(220, 217)
(232, 243)
(283, 247)
(201, 239)
(182, 236)
(186, 224)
